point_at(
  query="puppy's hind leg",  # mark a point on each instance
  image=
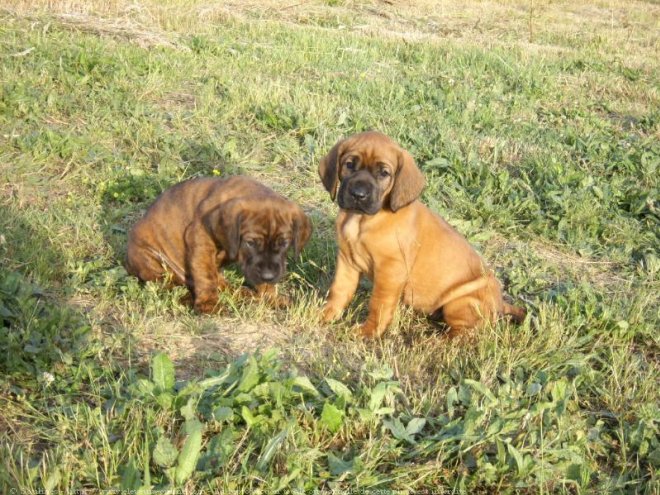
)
(142, 263)
(462, 315)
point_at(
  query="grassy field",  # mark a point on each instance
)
(537, 125)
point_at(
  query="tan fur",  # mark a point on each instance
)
(409, 252)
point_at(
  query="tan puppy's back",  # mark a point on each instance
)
(444, 260)
(433, 261)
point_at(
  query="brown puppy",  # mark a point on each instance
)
(407, 250)
(199, 225)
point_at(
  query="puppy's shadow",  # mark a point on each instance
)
(312, 272)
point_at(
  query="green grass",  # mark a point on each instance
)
(545, 158)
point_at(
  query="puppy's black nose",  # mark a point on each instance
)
(360, 191)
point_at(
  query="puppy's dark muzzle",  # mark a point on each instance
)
(264, 273)
(360, 192)
(359, 195)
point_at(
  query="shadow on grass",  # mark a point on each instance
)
(39, 332)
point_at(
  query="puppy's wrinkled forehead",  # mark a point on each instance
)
(268, 222)
(371, 148)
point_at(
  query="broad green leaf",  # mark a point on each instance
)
(250, 376)
(517, 457)
(165, 453)
(366, 414)
(262, 390)
(243, 398)
(5, 312)
(533, 389)
(494, 427)
(162, 372)
(332, 417)
(337, 466)
(305, 384)
(32, 349)
(271, 449)
(248, 416)
(191, 425)
(377, 396)
(143, 387)
(464, 394)
(415, 425)
(222, 413)
(218, 450)
(558, 390)
(52, 480)
(215, 380)
(339, 389)
(187, 460)
(384, 373)
(165, 400)
(398, 430)
(130, 477)
(481, 388)
(188, 411)
(452, 398)
(577, 472)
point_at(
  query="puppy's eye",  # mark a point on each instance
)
(282, 243)
(384, 173)
(350, 166)
(251, 243)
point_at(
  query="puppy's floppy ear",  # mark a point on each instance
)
(302, 231)
(226, 225)
(329, 168)
(408, 182)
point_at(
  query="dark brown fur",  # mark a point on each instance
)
(197, 226)
(408, 251)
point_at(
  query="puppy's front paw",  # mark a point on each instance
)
(277, 301)
(280, 302)
(330, 313)
(206, 305)
(269, 294)
(368, 331)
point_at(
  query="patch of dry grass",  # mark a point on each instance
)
(619, 28)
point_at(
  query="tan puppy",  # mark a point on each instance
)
(199, 225)
(408, 251)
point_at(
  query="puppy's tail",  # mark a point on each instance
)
(516, 314)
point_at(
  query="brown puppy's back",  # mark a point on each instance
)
(161, 230)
